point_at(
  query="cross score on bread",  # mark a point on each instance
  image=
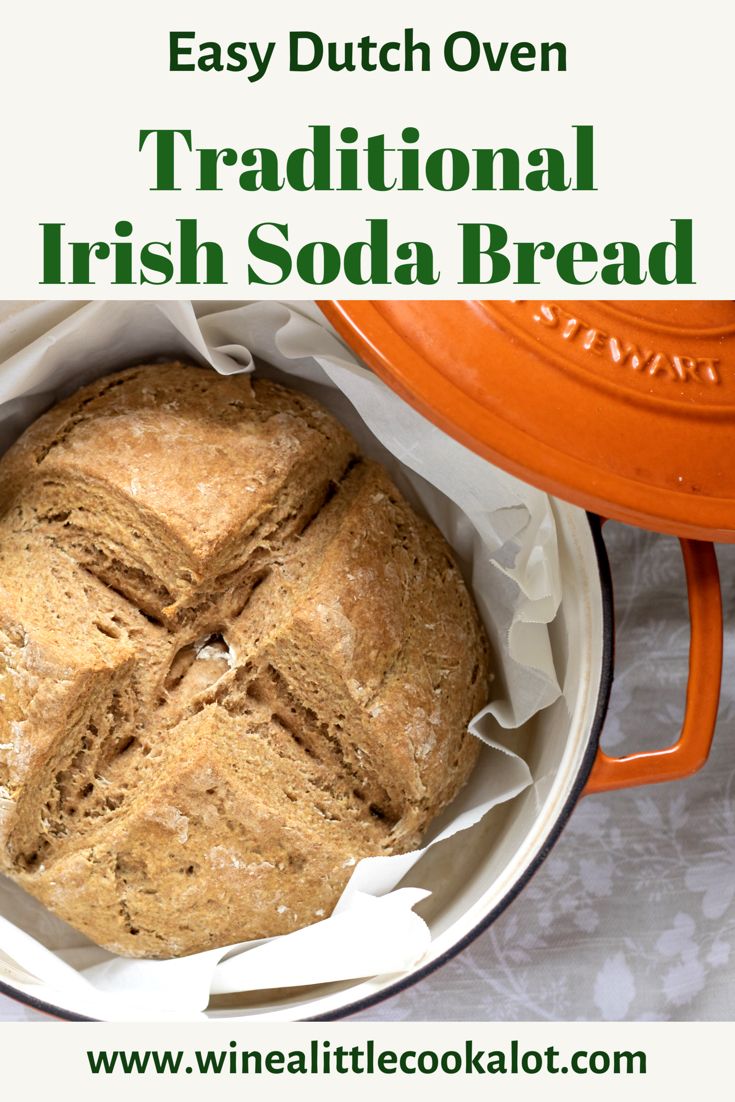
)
(233, 661)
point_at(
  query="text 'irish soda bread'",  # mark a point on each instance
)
(233, 661)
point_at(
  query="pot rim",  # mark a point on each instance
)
(552, 837)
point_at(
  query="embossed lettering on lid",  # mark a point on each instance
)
(626, 408)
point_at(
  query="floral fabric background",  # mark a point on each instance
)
(633, 914)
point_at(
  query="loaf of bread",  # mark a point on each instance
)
(233, 662)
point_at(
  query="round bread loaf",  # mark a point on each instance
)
(233, 662)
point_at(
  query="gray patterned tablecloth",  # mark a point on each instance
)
(633, 914)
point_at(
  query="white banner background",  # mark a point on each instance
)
(682, 1060)
(80, 80)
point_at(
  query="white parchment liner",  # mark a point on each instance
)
(502, 530)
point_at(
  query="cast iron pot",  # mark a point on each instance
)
(478, 873)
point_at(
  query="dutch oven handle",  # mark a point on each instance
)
(690, 751)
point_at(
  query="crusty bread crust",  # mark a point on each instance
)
(233, 662)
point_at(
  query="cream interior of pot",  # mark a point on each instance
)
(477, 871)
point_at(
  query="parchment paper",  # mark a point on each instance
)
(502, 530)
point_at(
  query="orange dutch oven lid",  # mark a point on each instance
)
(624, 408)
